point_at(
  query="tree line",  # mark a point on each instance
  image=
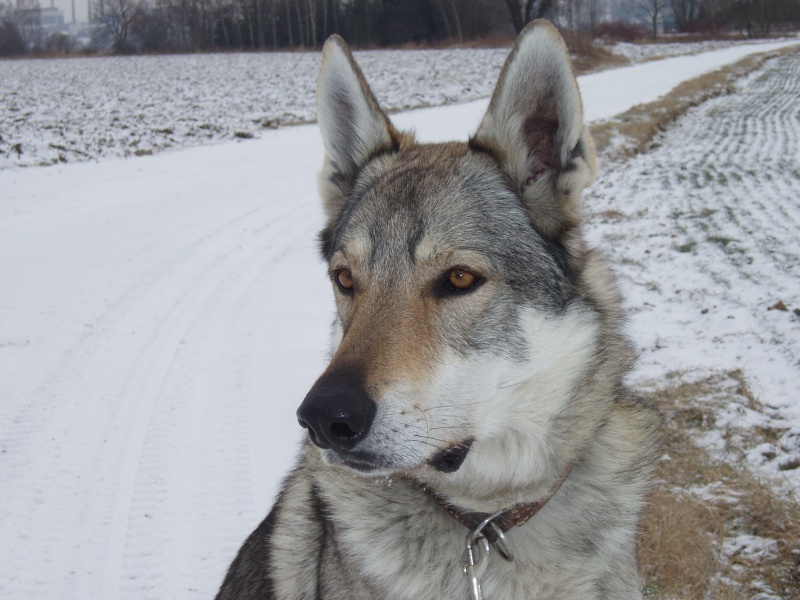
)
(753, 18)
(291, 24)
(122, 26)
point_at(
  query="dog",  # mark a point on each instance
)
(472, 436)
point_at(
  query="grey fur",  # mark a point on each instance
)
(528, 366)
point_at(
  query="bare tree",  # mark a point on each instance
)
(525, 11)
(115, 18)
(222, 11)
(756, 17)
(446, 21)
(28, 21)
(11, 41)
(458, 22)
(653, 10)
(593, 14)
(685, 13)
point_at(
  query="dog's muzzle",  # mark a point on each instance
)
(337, 411)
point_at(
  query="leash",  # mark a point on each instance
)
(486, 529)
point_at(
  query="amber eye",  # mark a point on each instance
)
(345, 279)
(461, 279)
(457, 282)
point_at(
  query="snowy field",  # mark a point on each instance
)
(703, 232)
(78, 109)
(162, 317)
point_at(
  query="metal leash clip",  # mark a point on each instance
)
(478, 554)
(476, 545)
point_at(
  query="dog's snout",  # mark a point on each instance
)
(337, 412)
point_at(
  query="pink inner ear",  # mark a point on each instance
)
(540, 135)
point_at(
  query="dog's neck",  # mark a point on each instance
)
(513, 516)
(488, 481)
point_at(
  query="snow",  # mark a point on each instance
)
(749, 546)
(702, 232)
(75, 109)
(78, 109)
(162, 317)
(609, 94)
(656, 50)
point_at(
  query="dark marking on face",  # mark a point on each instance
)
(326, 241)
(451, 459)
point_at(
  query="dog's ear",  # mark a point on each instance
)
(534, 127)
(353, 126)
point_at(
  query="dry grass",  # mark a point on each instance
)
(633, 131)
(701, 502)
(589, 58)
(705, 505)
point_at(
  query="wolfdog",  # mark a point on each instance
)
(472, 436)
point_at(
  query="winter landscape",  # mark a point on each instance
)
(70, 110)
(163, 309)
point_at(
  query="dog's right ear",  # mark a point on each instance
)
(353, 126)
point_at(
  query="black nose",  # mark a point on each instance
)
(337, 412)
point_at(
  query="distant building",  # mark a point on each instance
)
(51, 20)
(41, 26)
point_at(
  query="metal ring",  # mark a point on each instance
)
(478, 531)
(501, 543)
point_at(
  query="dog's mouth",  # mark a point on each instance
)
(451, 459)
(363, 462)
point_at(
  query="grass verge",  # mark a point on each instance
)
(633, 131)
(713, 530)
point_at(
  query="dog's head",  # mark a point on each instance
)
(455, 268)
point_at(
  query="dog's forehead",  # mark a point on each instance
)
(427, 202)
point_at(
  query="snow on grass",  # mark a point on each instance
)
(703, 233)
(650, 51)
(78, 109)
(66, 110)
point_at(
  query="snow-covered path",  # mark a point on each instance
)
(155, 341)
(160, 320)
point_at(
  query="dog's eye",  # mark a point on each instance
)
(461, 279)
(344, 279)
(458, 281)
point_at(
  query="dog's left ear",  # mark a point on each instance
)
(353, 126)
(534, 127)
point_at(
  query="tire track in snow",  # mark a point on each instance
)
(146, 477)
(175, 430)
(201, 267)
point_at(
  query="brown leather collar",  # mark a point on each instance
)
(519, 514)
